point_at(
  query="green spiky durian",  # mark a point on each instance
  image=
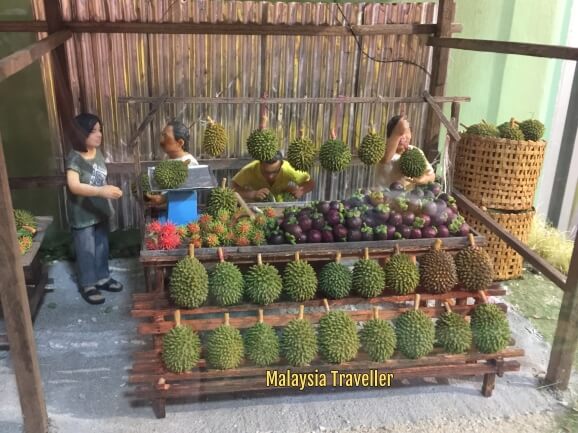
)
(337, 337)
(262, 144)
(263, 284)
(24, 218)
(453, 333)
(299, 280)
(378, 338)
(412, 163)
(474, 266)
(301, 153)
(215, 139)
(401, 274)
(226, 284)
(490, 328)
(224, 349)
(181, 348)
(368, 279)
(334, 155)
(189, 283)
(532, 129)
(170, 174)
(371, 149)
(437, 270)
(484, 129)
(222, 199)
(335, 279)
(262, 343)
(415, 334)
(299, 341)
(510, 130)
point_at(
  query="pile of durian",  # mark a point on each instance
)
(528, 130)
(26, 226)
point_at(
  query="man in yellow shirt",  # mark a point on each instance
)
(260, 179)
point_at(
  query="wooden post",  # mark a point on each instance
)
(566, 337)
(453, 146)
(439, 73)
(17, 317)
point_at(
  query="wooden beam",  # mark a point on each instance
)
(23, 26)
(530, 256)
(439, 72)
(17, 317)
(304, 100)
(441, 116)
(20, 59)
(566, 337)
(520, 48)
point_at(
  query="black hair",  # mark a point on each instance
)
(180, 132)
(278, 157)
(84, 124)
(391, 124)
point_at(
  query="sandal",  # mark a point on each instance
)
(91, 295)
(110, 286)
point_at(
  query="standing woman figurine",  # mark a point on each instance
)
(89, 209)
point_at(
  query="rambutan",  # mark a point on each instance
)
(224, 216)
(169, 241)
(258, 237)
(269, 212)
(197, 241)
(182, 231)
(244, 227)
(211, 240)
(151, 244)
(242, 241)
(229, 238)
(168, 228)
(194, 228)
(260, 220)
(205, 220)
(218, 228)
(153, 227)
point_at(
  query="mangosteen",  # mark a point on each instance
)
(396, 186)
(276, 238)
(356, 200)
(334, 217)
(415, 234)
(404, 231)
(293, 229)
(336, 204)
(441, 204)
(426, 220)
(435, 187)
(440, 219)
(305, 223)
(429, 232)
(318, 221)
(416, 193)
(323, 207)
(401, 204)
(443, 231)
(408, 218)
(369, 218)
(353, 219)
(306, 211)
(327, 234)
(414, 205)
(444, 196)
(340, 233)
(381, 213)
(391, 232)
(367, 233)
(429, 208)
(354, 235)
(302, 238)
(314, 236)
(380, 233)
(428, 194)
(418, 222)
(395, 219)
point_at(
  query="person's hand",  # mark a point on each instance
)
(402, 127)
(297, 191)
(110, 191)
(262, 193)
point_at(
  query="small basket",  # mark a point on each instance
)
(497, 173)
(508, 264)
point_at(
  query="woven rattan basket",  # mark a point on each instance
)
(507, 262)
(498, 173)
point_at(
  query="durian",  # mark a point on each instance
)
(301, 153)
(490, 328)
(222, 199)
(335, 279)
(412, 163)
(532, 129)
(401, 274)
(415, 333)
(262, 143)
(299, 341)
(453, 332)
(226, 283)
(372, 148)
(334, 155)
(170, 174)
(224, 348)
(510, 130)
(337, 336)
(474, 266)
(484, 129)
(299, 280)
(24, 219)
(378, 338)
(262, 343)
(181, 347)
(368, 279)
(437, 270)
(215, 139)
(263, 284)
(189, 283)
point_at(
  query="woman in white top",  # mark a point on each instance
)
(175, 142)
(387, 170)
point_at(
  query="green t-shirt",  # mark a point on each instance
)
(86, 211)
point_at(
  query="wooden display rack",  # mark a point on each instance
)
(153, 383)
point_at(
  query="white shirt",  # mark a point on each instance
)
(187, 156)
(386, 174)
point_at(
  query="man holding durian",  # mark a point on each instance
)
(273, 179)
(402, 162)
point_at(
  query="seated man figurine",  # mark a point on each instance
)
(387, 170)
(175, 142)
(261, 180)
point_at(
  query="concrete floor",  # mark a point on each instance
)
(85, 353)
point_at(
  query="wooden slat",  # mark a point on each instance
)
(23, 26)
(441, 116)
(523, 49)
(19, 60)
(43, 224)
(530, 256)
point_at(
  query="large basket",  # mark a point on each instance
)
(498, 173)
(507, 262)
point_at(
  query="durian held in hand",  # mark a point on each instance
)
(402, 162)
(181, 347)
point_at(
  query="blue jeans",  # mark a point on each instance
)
(91, 247)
